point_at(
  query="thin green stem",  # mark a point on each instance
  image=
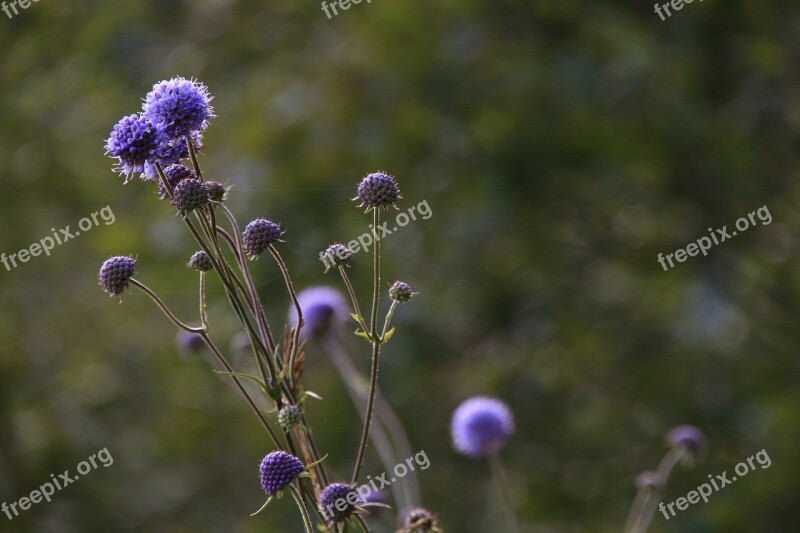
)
(388, 320)
(353, 298)
(362, 523)
(376, 273)
(193, 156)
(501, 483)
(647, 495)
(175, 320)
(302, 506)
(298, 310)
(203, 310)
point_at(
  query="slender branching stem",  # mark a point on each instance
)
(504, 493)
(302, 506)
(193, 156)
(298, 310)
(644, 506)
(175, 320)
(353, 298)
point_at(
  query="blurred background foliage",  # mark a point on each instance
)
(561, 146)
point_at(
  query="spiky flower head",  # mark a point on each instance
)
(335, 255)
(258, 235)
(188, 343)
(324, 309)
(135, 141)
(377, 190)
(278, 469)
(420, 521)
(189, 194)
(200, 261)
(400, 292)
(688, 437)
(175, 174)
(115, 273)
(481, 426)
(289, 416)
(338, 501)
(179, 106)
(216, 191)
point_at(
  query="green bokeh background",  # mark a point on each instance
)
(561, 146)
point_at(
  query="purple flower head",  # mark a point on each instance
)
(200, 261)
(188, 343)
(175, 174)
(258, 235)
(400, 292)
(335, 255)
(135, 142)
(278, 469)
(336, 502)
(420, 521)
(189, 194)
(179, 106)
(216, 191)
(115, 273)
(377, 190)
(689, 437)
(169, 153)
(481, 426)
(324, 309)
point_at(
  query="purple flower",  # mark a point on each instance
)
(324, 308)
(337, 502)
(174, 173)
(188, 343)
(181, 107)
(200, 262)
(689, 437)
(481, 426)
(258, 235)
(278, 469)
(136, 142)
(189, 194)
(400, 292)
(377, 190)
(115, 273)
(420, 521)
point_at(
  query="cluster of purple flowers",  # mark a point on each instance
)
(174, 114)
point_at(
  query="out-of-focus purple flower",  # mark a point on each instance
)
(278, 469)
(324, 309)
(181, 107)
(689, 437)
(188, 343)
(481, 426)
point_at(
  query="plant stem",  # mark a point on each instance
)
(501, 484)
(164, 307)
(299, 500)
(353, 298)
(645, 496)
(298, 310)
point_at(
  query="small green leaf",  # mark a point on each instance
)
(315, 463)
(263, 506)
(356, 317)
(247, 376)
(363, 334)
(388, 335)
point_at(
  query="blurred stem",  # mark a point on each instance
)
(406, 491)
(203, 313)
(241, 388)
(503, 490)
(164, 308)
(647, 497)
(302, 506)
(293, 296)
(376, 349)
(362, 523)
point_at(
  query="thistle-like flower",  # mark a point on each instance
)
(481, 426)
(377, 190)
(258, 235)
(289, 416)
(278, 469)
(134, 142)
(400, 292)
(175, 174)
(179, 106)
(337, 254)
(115, 273)
(335, 502)
(189, 194)
(200, 261)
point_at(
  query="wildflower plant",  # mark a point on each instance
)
(160, 145)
